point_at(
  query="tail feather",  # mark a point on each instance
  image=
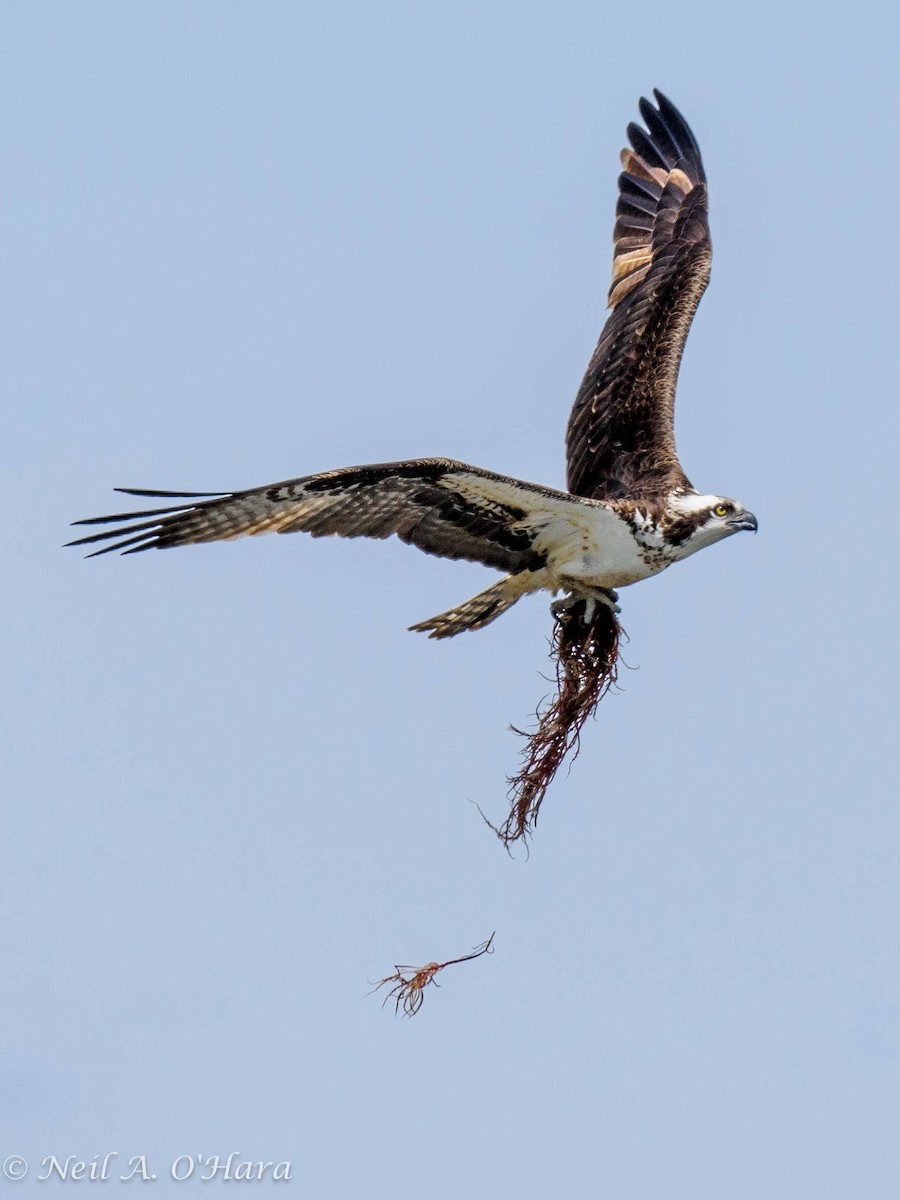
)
(475, 613)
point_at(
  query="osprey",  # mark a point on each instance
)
(630, 510)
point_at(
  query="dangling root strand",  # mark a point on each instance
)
(585, 656)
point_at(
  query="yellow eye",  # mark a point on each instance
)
(722, 510)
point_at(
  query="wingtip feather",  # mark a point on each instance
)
(172, 495)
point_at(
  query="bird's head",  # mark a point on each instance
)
(698, 521)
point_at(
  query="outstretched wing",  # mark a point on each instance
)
(621, 437)
(445, 508)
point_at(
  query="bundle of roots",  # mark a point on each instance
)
(409, 983)
(585, 653)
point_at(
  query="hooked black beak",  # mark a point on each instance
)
(745, 521)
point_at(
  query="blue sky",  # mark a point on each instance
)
(247, 242)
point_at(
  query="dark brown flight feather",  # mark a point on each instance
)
(621, 439)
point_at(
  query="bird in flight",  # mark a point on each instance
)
(630, 510)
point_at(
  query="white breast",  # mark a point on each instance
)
(593, 545)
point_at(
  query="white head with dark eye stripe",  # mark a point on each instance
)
(698, 521)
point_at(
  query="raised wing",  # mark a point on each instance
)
(445, 508)
(621, 438)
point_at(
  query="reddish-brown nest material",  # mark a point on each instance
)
(410, 982)
(585, 654)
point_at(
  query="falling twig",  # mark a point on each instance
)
(410, 982)
(585, 654)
